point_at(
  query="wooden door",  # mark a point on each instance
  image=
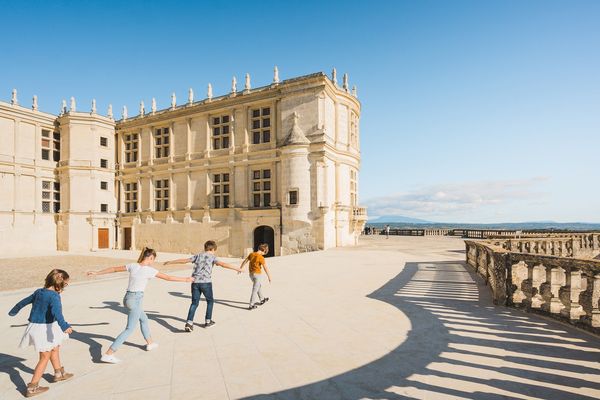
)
(103, 238)
(127, 239)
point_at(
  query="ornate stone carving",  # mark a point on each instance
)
(109, 114)
(334, 76)
(93, 110)
(153, 106)
(173, 101)
(233, 86)
(190, 96)
(73, 106)
(247, 84)
(345, 82)
(142, 108)
(124, 113)
(275, 75)
(34, 105)
(209, 93)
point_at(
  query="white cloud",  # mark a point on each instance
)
(447, 200)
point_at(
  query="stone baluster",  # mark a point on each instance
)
(557, 280)
(518, 275)
(573, 310)
(596, 301)
(538, 277)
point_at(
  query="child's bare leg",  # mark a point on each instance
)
(41, 366)
(55, 358)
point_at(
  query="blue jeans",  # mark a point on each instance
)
(197, 290)
(133, 302)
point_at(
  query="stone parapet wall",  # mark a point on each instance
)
(574, 245)
(560, 287)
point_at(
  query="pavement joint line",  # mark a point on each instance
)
(220, 365)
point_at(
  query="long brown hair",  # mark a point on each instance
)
(57, 279)
(146, 252)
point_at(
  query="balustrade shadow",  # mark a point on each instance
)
(462, 346)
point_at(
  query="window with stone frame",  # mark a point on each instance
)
(50, 145)
(260, 125)
(131, 197)
(103, 141)
(161, 195)
(161, 142)
(103, 163)
(221, 132)
(50, 196)
(261, 188)
(293, 197)
(103, 185)
(221, 190)
(353, 188)
(103, 207)
(353, 129)
(131, 143)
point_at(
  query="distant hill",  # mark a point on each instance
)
(388, 219)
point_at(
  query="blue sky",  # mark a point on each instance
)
(472, 111)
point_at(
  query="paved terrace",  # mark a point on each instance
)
(390, 319)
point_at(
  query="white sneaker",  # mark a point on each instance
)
(111, 359)
(151, 346)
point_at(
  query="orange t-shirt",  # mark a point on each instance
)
(256, 262)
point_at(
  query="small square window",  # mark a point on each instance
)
(225, 177)
(267, 199)
(216, 144)
(45, 133)
(45, 154)
(216, 131)
(267, 185)
(266, 136)
(225, 119)
(256, 186)
(103, 163)
(46, 206)
(216, 121)
(256, 124)
(256, 138)
(266, 173)
(104, 185)
(103, 207)
(266, 122)
(217, 178)
(225, 201)
(266, 111)
(103, 141)
(225, 188)
(46, 185)
(225, 142)
(257, 200)
(255, 113)
(225, 129)
(256, 174)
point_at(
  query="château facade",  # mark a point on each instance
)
(276, 164)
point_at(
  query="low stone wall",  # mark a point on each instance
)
(574, 245)
(561, 287)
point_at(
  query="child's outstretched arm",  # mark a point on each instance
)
(178, 261)
(244, 263)
(109, 270)
(267, 271)
(15, 310)
(174, 278)
(228, 266)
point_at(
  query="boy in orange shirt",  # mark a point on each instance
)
(257, 263)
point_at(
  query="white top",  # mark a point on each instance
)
(139, 276)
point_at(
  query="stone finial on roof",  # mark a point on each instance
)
(93, 106)
(124, 113)
(334, 76)
(209, 93)
(142, 108)
(190, 96)
(13, 98)
(345, 82)
(73, 106)
(34, 105)
(233, 86)
(153, 106)
(63, 107)
(109, 114)
(173, 101)
(296, 136)
(276, 75)
(354, 91)
(247, 84)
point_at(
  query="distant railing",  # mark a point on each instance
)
(577, 245)
(478, 233)
(561, 287)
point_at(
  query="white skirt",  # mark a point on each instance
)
(44, 337)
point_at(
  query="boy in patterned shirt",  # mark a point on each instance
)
(202, 274)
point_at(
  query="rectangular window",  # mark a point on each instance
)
(293, 197)
(161, 142)
(131, 197)
(161, 194)
(353, 129)
(353, 188)
(103, 185)
(221, 130)
(103, 141)
(103, 163)
(260, 125)
(130, 141)
(221, 190)
(261, 188)
(50, 145)
(50, 196)
(103, 208)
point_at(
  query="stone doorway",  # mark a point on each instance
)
(265, 234)
(126, 238)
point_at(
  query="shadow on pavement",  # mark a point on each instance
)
(461, 346)
(227, 303)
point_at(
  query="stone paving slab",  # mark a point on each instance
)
(388, 319)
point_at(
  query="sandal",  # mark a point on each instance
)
(61, 375)
(33, 389)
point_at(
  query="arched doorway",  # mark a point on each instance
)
(265, 234)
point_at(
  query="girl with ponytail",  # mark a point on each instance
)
(139, 275)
